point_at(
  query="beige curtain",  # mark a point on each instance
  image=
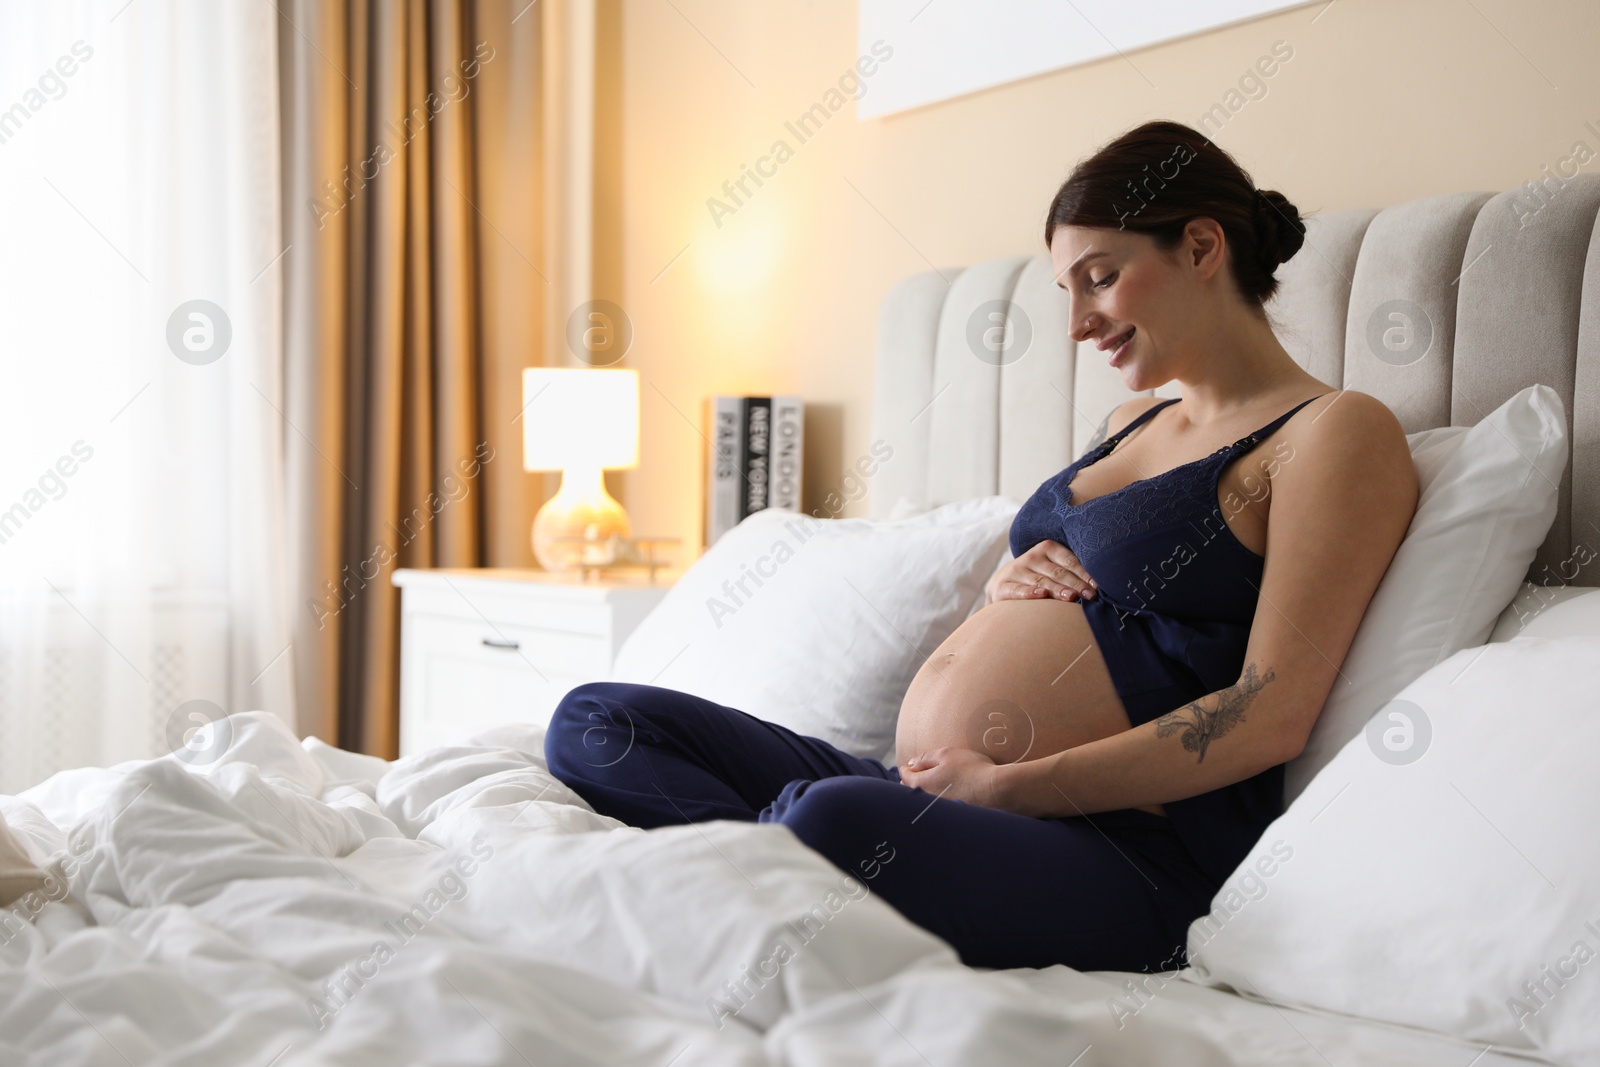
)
(415, 292)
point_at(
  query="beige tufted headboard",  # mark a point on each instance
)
(1442, 308)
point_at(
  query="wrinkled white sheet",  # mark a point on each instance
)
(295, 904)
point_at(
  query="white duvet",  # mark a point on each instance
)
(297, 904)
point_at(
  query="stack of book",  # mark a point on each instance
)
(754, 460)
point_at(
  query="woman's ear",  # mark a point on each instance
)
(1205, 246)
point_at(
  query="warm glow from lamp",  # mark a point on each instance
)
(741, 258)
(580, 422)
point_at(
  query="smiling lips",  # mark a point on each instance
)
(1117, 343)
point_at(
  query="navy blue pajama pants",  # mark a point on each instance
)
(1111, 891)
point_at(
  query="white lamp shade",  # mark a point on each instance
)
(579, 417)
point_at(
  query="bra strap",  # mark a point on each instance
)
(1251, 439)
(1143, 417)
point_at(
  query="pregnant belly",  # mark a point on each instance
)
(1019, 680)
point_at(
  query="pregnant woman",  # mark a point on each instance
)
(1088, 756)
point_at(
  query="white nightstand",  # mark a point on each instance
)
(482, 647)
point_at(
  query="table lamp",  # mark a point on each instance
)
(580, 422)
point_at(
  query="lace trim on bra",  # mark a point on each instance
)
(1153, 503)
(1166, 499)
(1150, 503)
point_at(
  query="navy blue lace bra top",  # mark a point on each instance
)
(1177, 595)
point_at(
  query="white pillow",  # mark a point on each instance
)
(833, 621)
(1488, 497)
(1427, 893)
(1550, 611)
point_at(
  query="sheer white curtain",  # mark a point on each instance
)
(141, 520)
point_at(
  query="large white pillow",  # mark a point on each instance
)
(1442, 871)
(1488, 497)
(833, 619)
(1550, 611)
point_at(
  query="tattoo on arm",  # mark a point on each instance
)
(1200, 725)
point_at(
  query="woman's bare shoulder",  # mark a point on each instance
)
(1357, 433)
(1351, 412)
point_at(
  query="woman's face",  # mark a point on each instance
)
(1119, 282)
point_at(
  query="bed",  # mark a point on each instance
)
(258, 899)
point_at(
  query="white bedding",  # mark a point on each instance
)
(253, 912)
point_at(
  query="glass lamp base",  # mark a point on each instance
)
(576, 526)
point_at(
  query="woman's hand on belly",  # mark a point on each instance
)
(954, 774)
(1049, 568)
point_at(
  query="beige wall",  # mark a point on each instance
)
(1383, 101)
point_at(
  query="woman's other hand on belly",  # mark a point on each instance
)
(954, 774)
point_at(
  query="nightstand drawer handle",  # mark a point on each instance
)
(500, 642)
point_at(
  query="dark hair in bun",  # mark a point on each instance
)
(1157, 177)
